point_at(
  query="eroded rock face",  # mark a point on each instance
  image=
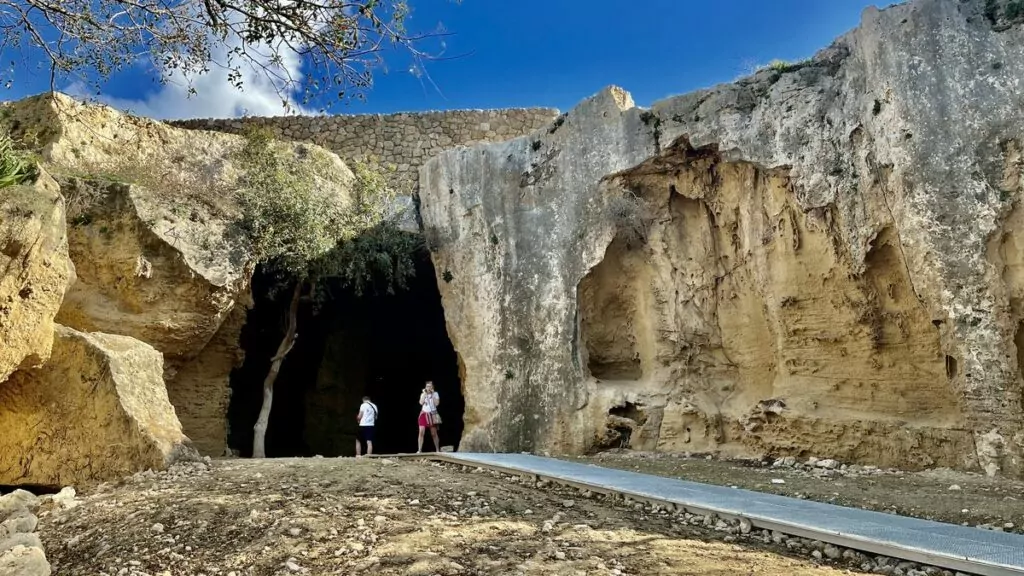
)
(149, 212)
(514, 228)
(829, 263)
(36, 272)
(147, 209)
(751, 318)
(200, 390)
(143, 275)
(97, 410)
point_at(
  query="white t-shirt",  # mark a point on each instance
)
(431, 403)
(369, 412)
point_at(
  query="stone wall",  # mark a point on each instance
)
(406, 140)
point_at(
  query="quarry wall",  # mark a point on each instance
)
(825, 258)
(821, 258)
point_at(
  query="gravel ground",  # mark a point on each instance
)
(943, 495)
(347, 516)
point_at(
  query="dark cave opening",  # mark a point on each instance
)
(385, 346)
(37, 489)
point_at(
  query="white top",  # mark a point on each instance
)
(430, 404)
(367, 414)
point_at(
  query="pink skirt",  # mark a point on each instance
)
(424, 420)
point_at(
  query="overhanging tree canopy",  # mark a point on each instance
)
(338, 41)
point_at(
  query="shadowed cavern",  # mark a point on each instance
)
(383, 345)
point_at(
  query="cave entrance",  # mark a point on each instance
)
(384, 346)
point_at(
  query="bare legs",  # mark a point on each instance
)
(433, 434)
(359, 448)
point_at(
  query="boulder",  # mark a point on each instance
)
(97, 410)
(17, 500)
(21, 550)
(148, 211)
(35, 271)
(825, 256)
(28, 540)
(24, 561)
(167, 283)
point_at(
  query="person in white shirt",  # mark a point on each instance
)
(367, 419)
(429, 418)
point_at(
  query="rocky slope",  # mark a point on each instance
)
(821, 258)
(376, 516)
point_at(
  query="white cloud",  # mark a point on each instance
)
(215, 97)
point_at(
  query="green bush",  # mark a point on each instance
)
(15, 167)
(290, 221)
(302, 232)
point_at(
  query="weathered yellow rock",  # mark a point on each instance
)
(200, 390)
(149, 214)
(143, 276)
(97, 410)
(34, 272)
(147, 209)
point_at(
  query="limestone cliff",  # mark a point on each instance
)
(34, 271)
(823, 258)
(149, 213)
(96, 410)
(147, 209)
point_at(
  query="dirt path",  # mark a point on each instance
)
(973, 500)
(347, 516)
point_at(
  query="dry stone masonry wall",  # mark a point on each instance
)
(405, 140)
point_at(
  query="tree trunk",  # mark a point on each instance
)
(260, 429)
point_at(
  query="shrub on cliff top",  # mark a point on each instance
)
(15, 167)
(302, 231)
(290, 220)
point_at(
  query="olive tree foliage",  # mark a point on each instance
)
(340, 42)
(310, 238)
(289, 219)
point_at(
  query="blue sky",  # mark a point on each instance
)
(549, 53)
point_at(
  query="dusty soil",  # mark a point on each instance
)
(980, 500)
(347, 516)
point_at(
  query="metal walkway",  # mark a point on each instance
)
(960, 548)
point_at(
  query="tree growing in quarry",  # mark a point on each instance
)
(338, 42)
(307, 239)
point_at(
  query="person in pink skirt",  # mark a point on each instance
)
(429, 418)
